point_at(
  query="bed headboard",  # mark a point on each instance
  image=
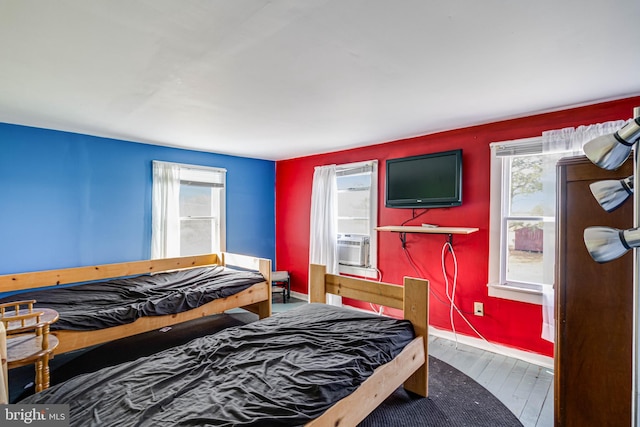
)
(412, 298)
(247, 262)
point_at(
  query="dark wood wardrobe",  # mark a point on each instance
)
(593, 348)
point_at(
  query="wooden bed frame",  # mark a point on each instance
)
(256, 298)
(409, 367)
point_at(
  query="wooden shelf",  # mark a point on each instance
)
(427, 230)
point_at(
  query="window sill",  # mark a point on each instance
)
(514, 293)
(368, 273)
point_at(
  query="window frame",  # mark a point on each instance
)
(499, 215)
(207, 176)
(218, 208)
(370, 272)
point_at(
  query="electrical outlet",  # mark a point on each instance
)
(478, 308)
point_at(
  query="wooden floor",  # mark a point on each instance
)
(524, 388)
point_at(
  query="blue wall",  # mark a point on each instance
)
(69, 200)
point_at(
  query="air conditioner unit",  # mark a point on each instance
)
(353, 249)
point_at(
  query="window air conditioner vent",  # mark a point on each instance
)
(353, 249)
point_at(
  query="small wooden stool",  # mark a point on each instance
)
(28, 338)
(4, 381)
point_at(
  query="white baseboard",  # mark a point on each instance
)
(536, 359)
(298, 295)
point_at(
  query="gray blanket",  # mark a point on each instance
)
(99, 305)
(284, 370)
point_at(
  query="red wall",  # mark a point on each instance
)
(505, 322)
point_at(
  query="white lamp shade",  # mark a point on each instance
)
(610, 151)
(606, 243)
(607, 152)
(611, 194)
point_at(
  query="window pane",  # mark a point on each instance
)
(533, 185)
(353, 204)
(195, 200)
(353, 226)
(526, 261)
(196, 236)
(354, 182)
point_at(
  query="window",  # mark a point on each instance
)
(522, 237)
(188, 210)
(201, 203)
(522, 225)
(357, 217)
(522, 210)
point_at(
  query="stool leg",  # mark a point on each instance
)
(39, 373)
(45, 371)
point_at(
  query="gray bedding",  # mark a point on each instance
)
(283, 370)
(103, 304)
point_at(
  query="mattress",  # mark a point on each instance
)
(103, 304)
(283, 370)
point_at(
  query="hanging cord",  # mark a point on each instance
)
(452, 295)
(414, 216)
(403, 236)
(439, 298)
(446, 288)
(380, 308)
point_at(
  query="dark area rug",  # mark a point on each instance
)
(454, 398)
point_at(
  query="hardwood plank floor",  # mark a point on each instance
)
(526, 389)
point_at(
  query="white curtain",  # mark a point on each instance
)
(323, 239)
(165, 231)
(569, 141)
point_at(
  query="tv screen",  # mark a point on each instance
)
(425, 181)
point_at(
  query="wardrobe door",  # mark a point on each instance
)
(594, 304)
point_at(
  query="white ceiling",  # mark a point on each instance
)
(286, 78)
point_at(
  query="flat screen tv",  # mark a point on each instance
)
(425, 181)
